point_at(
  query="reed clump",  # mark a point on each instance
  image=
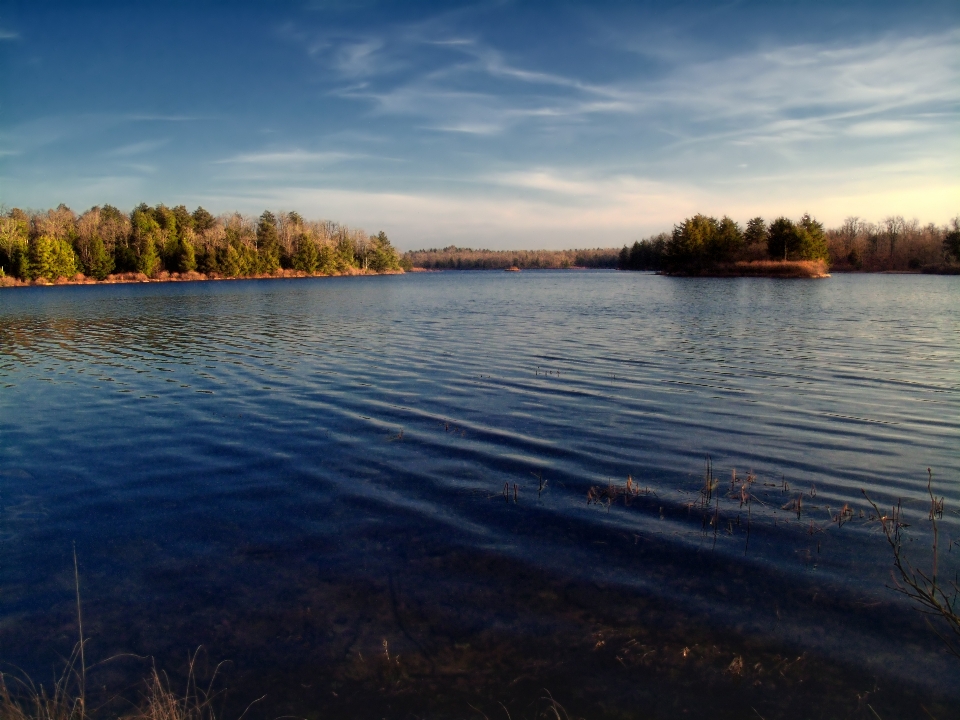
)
(22, 699)
(937, 599)
(774, 269)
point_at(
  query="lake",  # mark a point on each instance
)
(408, 495)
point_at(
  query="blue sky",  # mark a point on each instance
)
(490, 124)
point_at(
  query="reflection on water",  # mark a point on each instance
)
(293, 473)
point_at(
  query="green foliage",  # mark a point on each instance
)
(345, 255)
(184, 259)
(146, 236)
(51, 258)
(166, 219)
(148, 261)
(207, 260)
(326, 262)
(179, 254)
(382, 256)
(268, 243)
(782, 239)
(238, 259)
(756, 232)
(727, 242)
(20, 263)
(701, 242)
(644, 255)
(14, 230)
(150, 240)
(202, 220)
(813, 239)
(307, 257)
(183, 218)
(805, 240)
(100, 264)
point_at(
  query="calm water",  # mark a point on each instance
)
(295, 473)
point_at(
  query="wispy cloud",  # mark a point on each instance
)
(8, 34)
(137, 148)
(788, 94)
(286, 157)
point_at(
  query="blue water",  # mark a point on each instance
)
(293, 472)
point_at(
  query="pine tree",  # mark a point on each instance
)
(268, 243)
(306, 258)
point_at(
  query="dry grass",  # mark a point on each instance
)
(21, 699)
(161, 703)
(26, 701)
(938, 600)
(781, 269)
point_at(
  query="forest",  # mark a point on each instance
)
(456, 258)
(160, 242)
(705, 245)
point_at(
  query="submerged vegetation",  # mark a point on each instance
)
(607, 639)
(703, 245)
(159, 242)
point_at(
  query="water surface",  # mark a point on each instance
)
(293, 473)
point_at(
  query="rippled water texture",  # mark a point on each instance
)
(301, 475)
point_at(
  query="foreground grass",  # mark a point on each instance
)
(21, 699)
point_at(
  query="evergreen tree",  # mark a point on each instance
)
(782, 239)
(268, 243)
(51, 258)
(202, 220)
(207, 260)
(100, 264)
(184, 220)
(306, 258)
(383, 257)
(146, 234)
(813, 240)
(726, 241)
(805, 240)
(756, 232)
(691, 247)
(185, 259)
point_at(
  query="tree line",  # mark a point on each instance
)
(160, 241)
(701, 244)
(457, 258)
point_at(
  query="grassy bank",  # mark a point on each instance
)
(127, 278)
(771, 269)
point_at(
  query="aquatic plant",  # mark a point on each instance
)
(936, 599)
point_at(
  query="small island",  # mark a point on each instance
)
(702, 246)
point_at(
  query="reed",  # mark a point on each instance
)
(938, 601)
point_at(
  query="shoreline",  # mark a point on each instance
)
(788, 272)
(786, 269)
(165, 277)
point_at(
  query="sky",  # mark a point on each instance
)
(486, 124)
